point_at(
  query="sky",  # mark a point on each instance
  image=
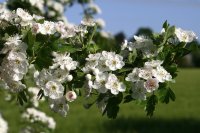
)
(129, 15)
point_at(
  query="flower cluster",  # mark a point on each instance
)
(146, 79)
(3, 125)
(15, 64)
(32, 115)
(101, 65)
(51, 80)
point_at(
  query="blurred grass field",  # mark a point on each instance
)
(181, 116)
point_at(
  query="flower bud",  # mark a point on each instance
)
(70, 96)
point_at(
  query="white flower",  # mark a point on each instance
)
(18, 62)
(59, 105)
(88, 76)
(47, 28)
(70, 96)
(145, 73)
(100, 81)
(124, 45)
(3, 125)
(146, 46)
(61, 75)
(151, 84)
(138, 90)
(134, 75)
(114, 61)
(25, 17)
(95, 8)
(38, 3)
(185, 36)
(33, 115)
(42, 77)
(100, 22)
(64, 61)
(161, 74)
(53, 89)
(114, 85)
(15, 44)
(153, 63)
(88, 22)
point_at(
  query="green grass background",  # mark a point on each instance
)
(181, 116)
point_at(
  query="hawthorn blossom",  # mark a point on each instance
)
(138, 90)
(33, 115)
(151, 84)
(59, 105)
(161, 74)
(114, 85)
(134, 75)
(64, 61)
(100, 81)
(185, 36)
(53, 90)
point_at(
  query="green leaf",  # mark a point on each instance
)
(128, 99)
(132, 56)
(165, 25)
(150, 106)
(165, 95)
(112, 107)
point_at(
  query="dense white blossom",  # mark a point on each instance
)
(64, 61)
(32, 115)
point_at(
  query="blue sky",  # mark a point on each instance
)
(129, 15)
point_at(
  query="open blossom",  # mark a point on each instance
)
(59, 105)
(138, 90)
(64, 61)
(53, 89)
(145, 73)
(113, 61)
(153, 63)
(100, 81)
(114, 85)
(151, 84)
(47, 28)
(88, 22)
(25, 17)
(185, 36)
(71, 96)
(133, 76)
(15, 44)
(161, 74)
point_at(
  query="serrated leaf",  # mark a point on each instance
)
(128, 99)
(165, 95)
(150, 106)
